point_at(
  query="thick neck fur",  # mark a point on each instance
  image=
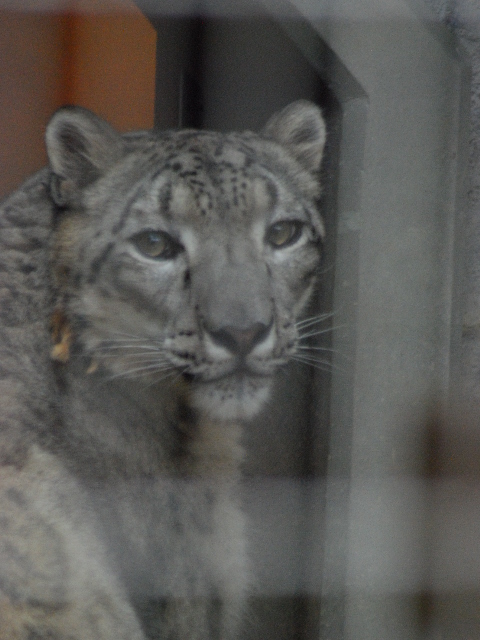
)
(125, 427)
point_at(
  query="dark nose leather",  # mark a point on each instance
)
(241, 341)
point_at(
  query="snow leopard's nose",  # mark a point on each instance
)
(241, 341)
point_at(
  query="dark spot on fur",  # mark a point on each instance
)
(198, 183)
(49, 608)
(16, 496)
(156, 173)
(188, 173)
(38, 634)
(99, 261)
(28, 268)
(187, 416)
(164, 198)
(210, 497)
(310, 274)
(105, 293)
(272, 193)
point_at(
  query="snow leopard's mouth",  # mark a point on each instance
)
(238, 375)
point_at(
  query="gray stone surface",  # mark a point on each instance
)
(462, 18)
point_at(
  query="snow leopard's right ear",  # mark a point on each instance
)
(300, 129)
(80, 148)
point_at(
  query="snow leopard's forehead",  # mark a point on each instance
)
(205, 177)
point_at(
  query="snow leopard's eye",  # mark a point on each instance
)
(157, 245)
(283, 233)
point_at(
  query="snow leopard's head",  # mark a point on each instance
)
(188, 252)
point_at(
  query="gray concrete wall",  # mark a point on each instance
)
(462, 18)
(401, 539)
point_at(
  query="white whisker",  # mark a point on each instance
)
(144, 370)
(316, 365)
(171, 373)
(119, 347)
(311, 358)
(153, 355)
(335, 352)
(324, 365)
(306, 322)
(130, 336)
(147, 364)
(322, 331)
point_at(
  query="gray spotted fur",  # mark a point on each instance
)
(118, 508)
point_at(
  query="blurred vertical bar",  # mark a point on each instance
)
(178, 90)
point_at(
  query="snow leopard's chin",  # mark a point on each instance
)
(236, 397)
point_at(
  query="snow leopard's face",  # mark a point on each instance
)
(189, 253)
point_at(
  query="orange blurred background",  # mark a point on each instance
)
(102, 61)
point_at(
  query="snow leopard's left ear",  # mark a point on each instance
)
(80, 147)
(300, 128)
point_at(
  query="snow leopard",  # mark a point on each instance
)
(151, 287)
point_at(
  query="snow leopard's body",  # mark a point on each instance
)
(170, 270)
